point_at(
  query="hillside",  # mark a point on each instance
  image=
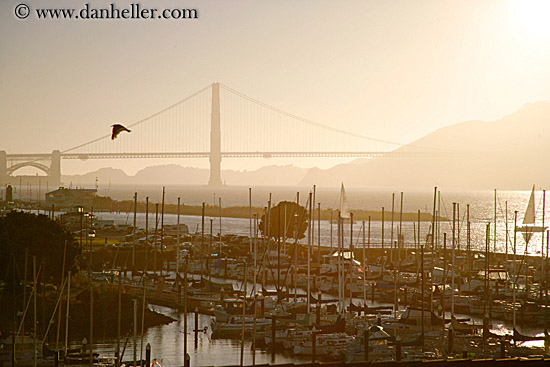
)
(510, 153)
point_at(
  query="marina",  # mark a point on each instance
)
(317, 310)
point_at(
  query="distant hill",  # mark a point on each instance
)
(176, 174)
(510, 153)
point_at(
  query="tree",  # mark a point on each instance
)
(44, 238)
(287, 215)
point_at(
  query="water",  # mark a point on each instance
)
(167, 340)
(481, 213)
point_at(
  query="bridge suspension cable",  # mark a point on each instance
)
(143, 120)
(296, 117)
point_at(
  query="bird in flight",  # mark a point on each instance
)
(117, 129)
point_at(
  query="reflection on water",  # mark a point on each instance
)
(167, 345)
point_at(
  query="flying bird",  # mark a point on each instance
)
(117, 129)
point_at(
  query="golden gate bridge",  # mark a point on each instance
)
(215, 122)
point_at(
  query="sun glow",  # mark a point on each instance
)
(534, 18)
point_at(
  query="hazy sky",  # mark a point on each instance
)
(395, 70)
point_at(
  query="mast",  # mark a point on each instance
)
(308, 256)
(67, 315)
(319, 234)
(119, 314)
(331, 229)
(339, 265)
(250, 222)
(34, 310)
(91, 303)
(364, 268)
(444, 280)
(506, 206)
(314, 204)
(382, 228)
(468, 245)
(515, 276)
(178, 257)
(422, 285)
(162, 233)
(134, 236)
(391, 230)
(155, 243)
(295, 252)
(433, 219)
(453, 266)
(495, 228)
(220, 216)
(254, 290)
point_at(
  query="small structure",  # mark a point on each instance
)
(69, 198)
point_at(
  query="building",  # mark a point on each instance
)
(69, 198)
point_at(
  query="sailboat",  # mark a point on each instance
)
(529, 227)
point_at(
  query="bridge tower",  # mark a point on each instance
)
(215, 138)
(55, 167)
(3, 167)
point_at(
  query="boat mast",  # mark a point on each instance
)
(495, 228)
(254, 290)
(134, 236)
(453, 266)
(162, 232)
(391, 230)
(67, 315)
(515, 277)
(308, 257)
(34, 310)
(364, 269)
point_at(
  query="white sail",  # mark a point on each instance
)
(530, 212)
(529, 227)
(344, 210)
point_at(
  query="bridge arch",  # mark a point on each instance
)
(17, 166)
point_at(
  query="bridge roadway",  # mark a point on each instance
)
(84, 156)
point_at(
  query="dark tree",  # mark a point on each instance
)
(295, 223)
(44, 238)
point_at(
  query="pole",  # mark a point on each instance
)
(506, 206)
(339, 265)
(178, 255)
(250, 218)
(91, 306)
(391, 230)
(254, 290)
(314, 204)
(156, 232)
(118, 319)
(515, 275)
(135, 331)
(383, 228)
(244, 310)
(185, 305)
(162, 232)
(422, 290)
(309, 256)
(220, 217)
(468, 244)
(433, 219)
(495, 227)
(134, 236)
(35, 323)
(364, 269)
(453, 266)
(67, 315)
(331, 229)
(319, 234)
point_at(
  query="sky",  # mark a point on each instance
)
(393, 70)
